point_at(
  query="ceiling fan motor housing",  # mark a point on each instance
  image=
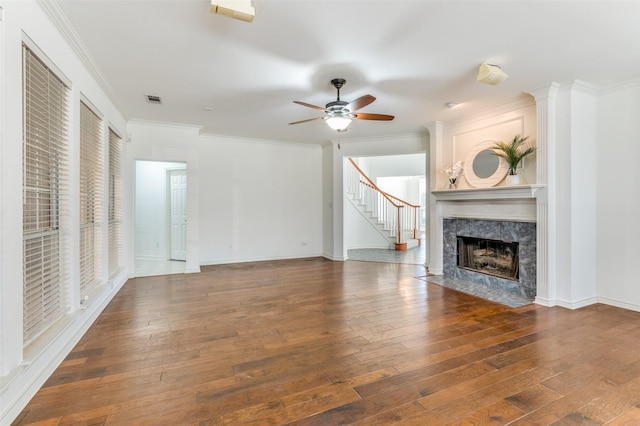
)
(336, 106)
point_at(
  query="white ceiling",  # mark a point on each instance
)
(413, 56)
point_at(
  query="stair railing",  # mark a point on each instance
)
(397, 216)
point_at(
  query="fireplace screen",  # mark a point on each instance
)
(490, 257)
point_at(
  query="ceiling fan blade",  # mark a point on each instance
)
(309, 105)
(309, 119)
(381, 117)
(361, 102)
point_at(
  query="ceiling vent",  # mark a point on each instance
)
(236, 9)
(153, 99)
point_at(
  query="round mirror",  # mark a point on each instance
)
(485, 164)
(482, 168)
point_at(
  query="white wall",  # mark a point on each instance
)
(406, 188)
(260, 200)
(22, 373)
(618, 186)
(247, 200)
(152, 209)
(394, 165)
(359, 232)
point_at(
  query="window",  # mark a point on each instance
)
(44, 168)
(90, 199)
(115, 203)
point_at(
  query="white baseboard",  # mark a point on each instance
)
(619, 304)
(257, 259)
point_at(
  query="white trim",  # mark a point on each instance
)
(58, 18)
(578, 303)
(261, 259)
(47, 61)
(619, 303)
(544, 302)
(164, 124)
(493, 193)
(625, 85)
(523, 101)
(92, 107)
(223, 138)
(402, 137)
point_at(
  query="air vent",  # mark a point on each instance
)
(153, 99)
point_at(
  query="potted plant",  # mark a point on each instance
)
(513, 152)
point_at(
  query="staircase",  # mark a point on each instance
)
(395, 219)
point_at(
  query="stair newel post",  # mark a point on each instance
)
(400, 245)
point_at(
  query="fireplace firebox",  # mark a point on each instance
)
(491, 257)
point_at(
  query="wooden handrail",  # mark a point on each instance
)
(402, 201)
(389, 195)
(371, 184)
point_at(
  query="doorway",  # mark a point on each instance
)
(160, 203)
(403, 176)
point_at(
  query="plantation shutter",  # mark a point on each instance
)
(115, 202)
(44, 167)
(90, 199)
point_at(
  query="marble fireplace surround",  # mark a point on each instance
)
(523, 233)
(504, 213)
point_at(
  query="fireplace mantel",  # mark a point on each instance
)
(521, 203)
(493, 193)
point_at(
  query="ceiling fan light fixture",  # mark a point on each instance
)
(338, 123)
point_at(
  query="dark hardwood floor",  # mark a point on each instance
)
(315, 342)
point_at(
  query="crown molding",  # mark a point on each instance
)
(633, 83)
(525, 100)
(408, 137)
(224, 138)
(58, 18)
(140, 122)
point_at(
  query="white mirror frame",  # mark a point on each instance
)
(478, 182)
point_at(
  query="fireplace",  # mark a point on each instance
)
(513, 266)
(491, 257)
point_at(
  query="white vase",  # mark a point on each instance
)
(512, 180)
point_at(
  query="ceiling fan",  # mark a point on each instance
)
(340, 113)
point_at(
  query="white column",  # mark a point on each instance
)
(435, 248)
(545, 202)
